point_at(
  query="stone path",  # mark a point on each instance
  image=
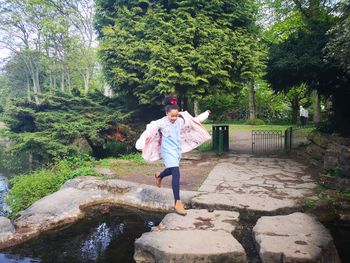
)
(267, 192)
(257, 188)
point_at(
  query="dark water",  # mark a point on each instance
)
(341, 235)
(107, 237)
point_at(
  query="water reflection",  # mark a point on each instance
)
(105, 237)
(3, 189)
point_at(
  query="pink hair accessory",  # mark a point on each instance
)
(173, 101)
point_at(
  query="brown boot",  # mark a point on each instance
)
(179, 208)
(158, 179)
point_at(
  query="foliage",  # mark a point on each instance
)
(255, 122)
(50, 44)
(29, 188)
(269, 105)
(191, 48)
(227, 107)
(299, 57)
(338, 47)
(346, 193)
(135, 157)
(310, 203)
(52, 128)
(218, 105)
(334, 172)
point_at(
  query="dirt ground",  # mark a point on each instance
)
(194, 168)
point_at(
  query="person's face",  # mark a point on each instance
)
(172, 115)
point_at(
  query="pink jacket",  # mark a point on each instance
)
(193, 134)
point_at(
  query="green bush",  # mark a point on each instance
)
(114, 148)
(29, 188)
(255, 122)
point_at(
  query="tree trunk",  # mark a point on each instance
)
(51, 82)
(62, 80)
(317, 108)
(183, 102)
(54, 82)
(69, 83)
(196, 107)
(251, 101)
(86, 78)
(107, 91)
(295, 110)
(29, 96)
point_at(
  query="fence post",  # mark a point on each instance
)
(288, 139)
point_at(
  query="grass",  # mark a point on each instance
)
(128, 164)
(28, 188)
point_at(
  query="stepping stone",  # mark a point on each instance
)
(200, 236)
(297, 237)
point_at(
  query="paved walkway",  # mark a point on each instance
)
(256, 186)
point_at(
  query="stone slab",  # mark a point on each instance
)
(297, 237)
(188, 246)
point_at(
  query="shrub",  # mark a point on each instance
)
(29, 188)
(255, 122)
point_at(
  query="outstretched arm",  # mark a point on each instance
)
(203, 116)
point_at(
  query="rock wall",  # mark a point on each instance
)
(332, 152)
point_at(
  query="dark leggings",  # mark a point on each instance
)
(175, 183)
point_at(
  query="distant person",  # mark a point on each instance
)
(167, 138)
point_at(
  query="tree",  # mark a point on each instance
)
(338, 46)
(191, 48)
(38, 130)
(21, 24)
(54, 40)
(80, 14)
(299, 58)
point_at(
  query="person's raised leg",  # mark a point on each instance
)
(160, 176)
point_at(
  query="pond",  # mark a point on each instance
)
(106, 236)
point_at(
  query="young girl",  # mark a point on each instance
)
(167, 138)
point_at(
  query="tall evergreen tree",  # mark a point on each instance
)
(191, 48)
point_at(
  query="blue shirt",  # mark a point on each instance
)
(171, 141)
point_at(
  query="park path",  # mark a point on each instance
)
(269, 193)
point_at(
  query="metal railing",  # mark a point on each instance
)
(267, 141)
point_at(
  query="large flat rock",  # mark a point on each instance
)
(68, 205)
(297, 237)
(200, 236)
(188, 246)
(256, 187)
